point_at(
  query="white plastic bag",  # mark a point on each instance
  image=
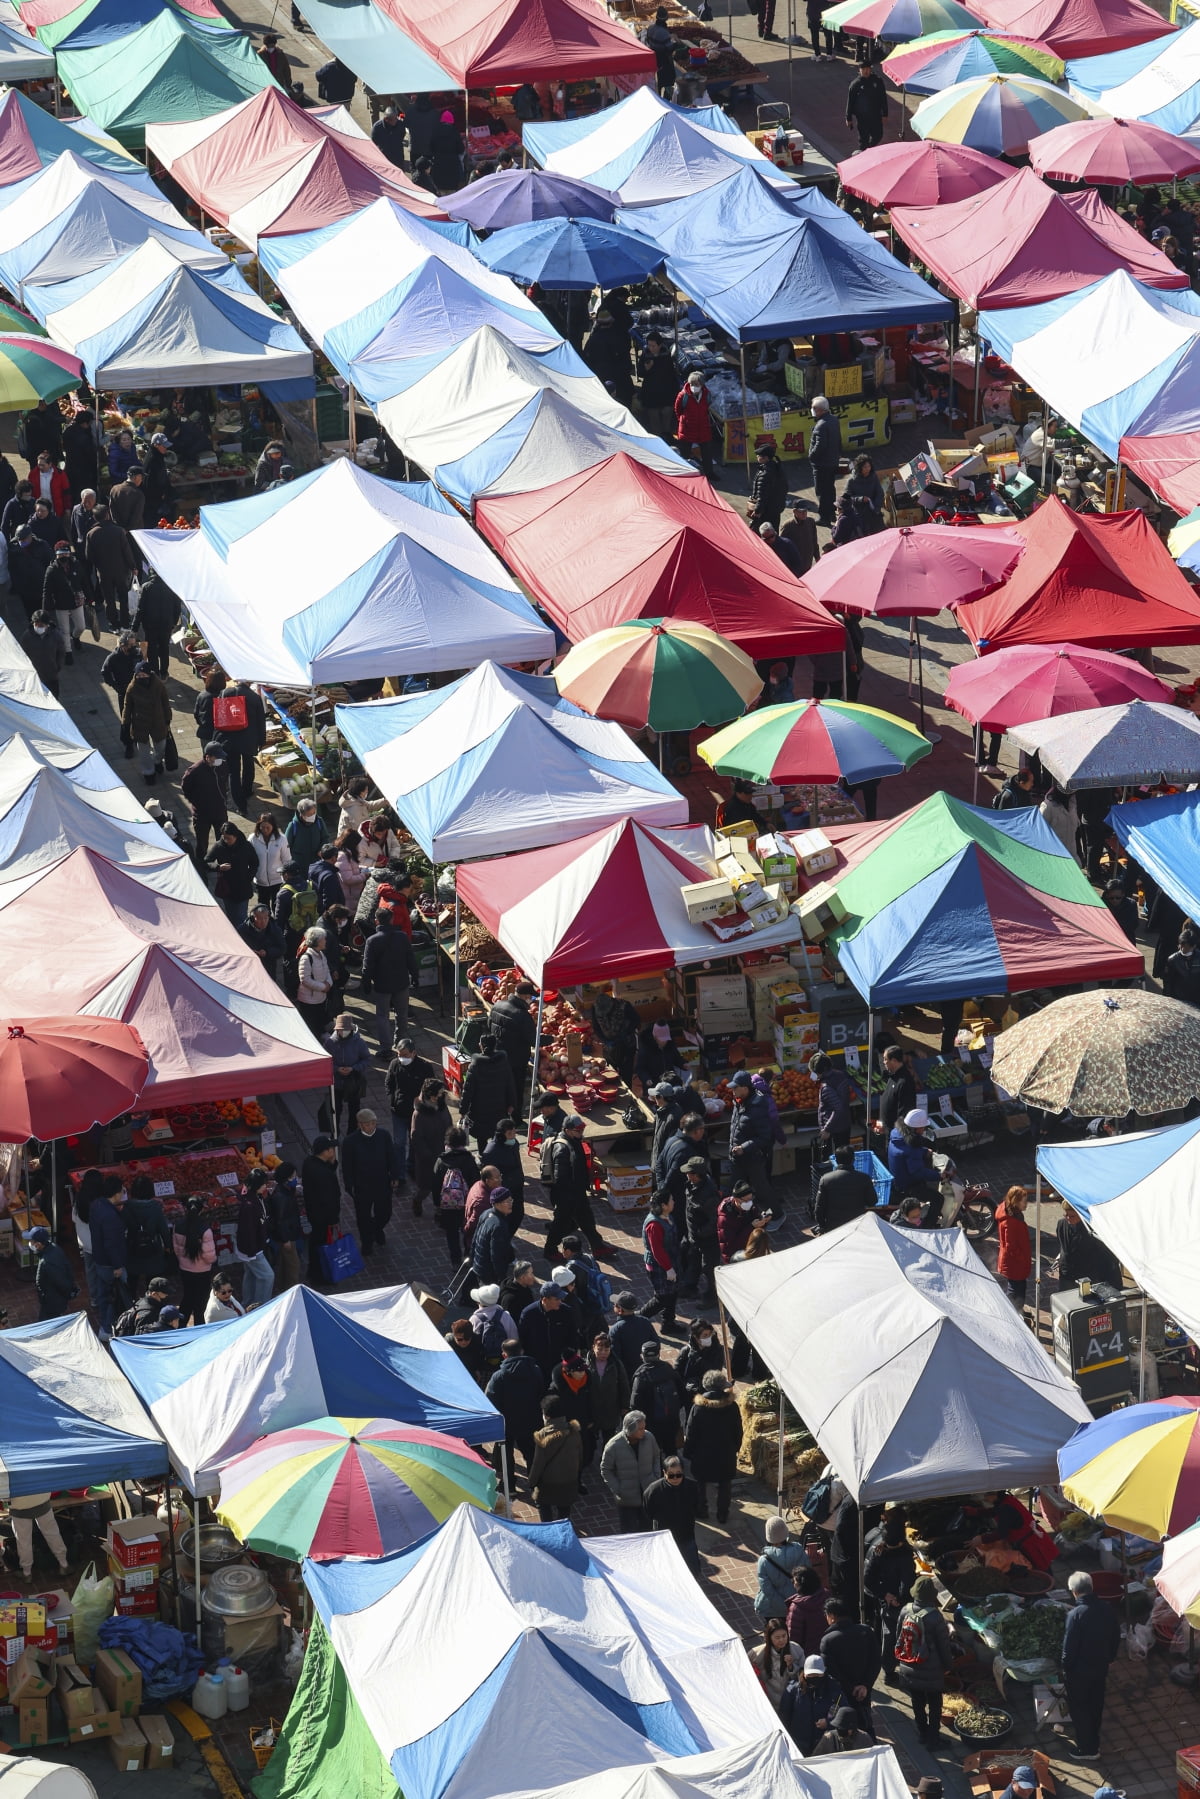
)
(91, 1604)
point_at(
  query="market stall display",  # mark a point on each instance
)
(349, 1487)
(653, 672)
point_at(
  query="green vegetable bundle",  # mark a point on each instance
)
(1033, 1634)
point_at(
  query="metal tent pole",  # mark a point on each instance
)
(779, 1477)
(745, 409)
(54, 1184)
(196, 1553)
(504, 1478)
(870, 1065)
(352, 416)
(862, 1563)
(975, 403)
(1142, 1353)
(1037, 1253)
(537, 1058)
(457, 933)
(725, 1339)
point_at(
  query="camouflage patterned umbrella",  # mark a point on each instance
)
(1103, 1055)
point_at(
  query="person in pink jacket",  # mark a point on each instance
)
(195, 1251)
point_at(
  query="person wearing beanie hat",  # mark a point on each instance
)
(923, 1653)
(53, 1276)
(657, 1391)
(712, 1439)
(492, 1325)
(845, 1734)
(776, 1566)
(929, 1787)
(446, 150)
(810, 1703)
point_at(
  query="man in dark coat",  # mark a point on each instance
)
(491, 1245)
(514, 1027)
(158, 614)
(516, 1390)
(407, 1074)
(265, 938)
(751, 1136)
(52, 1277)
(657, 1391)
(388, 135)
(322, 1201)
(241, 745)
(44, 647)
(236, 866)
(369, 1174)
(825, 455)
(1090, 1643)
(389, 970)
(899, 1097)
(843, 1194)
(111, 565)
(488, 1090)
(674, 1503)
(608, 353)
(711, 1440)
(768, 490)
(203, 787)
(40, 429)
(853, 1656)
(81, 449)
(630, 1333)
(503, 1151)
(326, 881)
(701, 1199)
(28, 560)
(570, 1191)
(867, 107)
(547, 1329)
(127, 500)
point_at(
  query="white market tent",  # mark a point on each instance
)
(908, 1364)
(340, 576)
(1140, 1195)
(500, 761)
(150, 321)
(22, 58)
(75, 217)
(750, 1770)
(585, 1656)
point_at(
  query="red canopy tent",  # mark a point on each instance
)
(620, 541)
(1168, 464)
(1073, 28)
(491, 43)
(1020, 243)
(213, 1023)
(1100, 580)
(266, 167)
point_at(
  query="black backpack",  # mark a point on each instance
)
(492, 1339)
(130, 1323)
(141, 1238)
(818, 1501)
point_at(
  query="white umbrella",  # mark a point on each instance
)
(1134, 745)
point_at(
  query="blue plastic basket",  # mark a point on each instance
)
(867, 1162)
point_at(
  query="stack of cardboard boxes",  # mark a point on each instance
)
(135, 1550)
(747, 894)
(55, 1699)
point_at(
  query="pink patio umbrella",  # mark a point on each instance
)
(913, 573)
(1113, 153)
(920, 173)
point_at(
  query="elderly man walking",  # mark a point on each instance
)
(631, 1463)
(1090, 1643)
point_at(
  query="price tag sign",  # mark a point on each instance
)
(268, 1143)
(853, 1059)
(227, 1180)
(771, 421)
(922, 1102)
(164, 1189)
(944, 1105)
(964, 1056)
(985, 1058)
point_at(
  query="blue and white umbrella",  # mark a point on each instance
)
(522, 196)
(574, 254)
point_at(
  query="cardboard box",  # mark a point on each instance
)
(132, 1580)
(137, 1542)
(127, 1746)
(818, 911)
(160, 1744)
(137, 1605)
(814, 852)
(76, 1694)
(720, 1024)
(27, 1680)
(636, 1178)
(738, 850)
(705, 900)
(95, 1725)
(33, 1723)
(120, 1680)
(20, 1624)
(720, 992)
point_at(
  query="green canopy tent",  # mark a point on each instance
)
(174, 69)
(325, 1749)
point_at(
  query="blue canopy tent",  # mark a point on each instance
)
(215, 1389)
(1158, 82)
(571, 254)
(1163, 837)
(761, 266)
(70, 1418)
(383, 57)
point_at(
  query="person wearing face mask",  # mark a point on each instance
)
(693, 422)
(146, 717)
(63, 594)
(44, 647)
(701, 1354)
(407, 1074)
(735, 1221)
(657, 1058)
(351, 1065)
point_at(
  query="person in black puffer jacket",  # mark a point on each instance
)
(514, 1027)
(488, 1091)
(237, 870)
(322, 1201)
(503, 1151)
(712, 1439)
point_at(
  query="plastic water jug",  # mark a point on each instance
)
(210, 1696)
(237, 1687)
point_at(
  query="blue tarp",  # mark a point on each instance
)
(763, 266)
(1163, 837)
(69, 1418)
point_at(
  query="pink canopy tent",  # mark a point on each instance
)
(921, 173)
(215, 1026)
(1020, 243)
(494, 43)
(266, 167)
(1074, 28)
(602, 906)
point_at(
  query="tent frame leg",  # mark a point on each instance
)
(975, 402)
(54, 1185)
(504, 1480)
(457, 934)
(779, 1475)
(197, 1503)
(535, 1077)
(1142, 1352)
(745, 408)
(1037, 1254)
(725, 1339)
(870, 1066)
(862, 1563)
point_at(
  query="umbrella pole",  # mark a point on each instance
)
(779, 1476)
(1037, 1254)
(911, 624)
(457, 931)
(725, 1339)
(1045, 442)
(745, 409)
(537, 1059)
(975, 402)
(1142, 1353)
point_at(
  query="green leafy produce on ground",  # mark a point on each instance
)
(1037, 1632)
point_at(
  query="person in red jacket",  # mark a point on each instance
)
(50, 483)
(1015, 1260)
(693, 422)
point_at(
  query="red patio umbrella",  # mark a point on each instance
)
(915, 571)
(1112, 153)
(66, 1074)
(1036, 680)
(920, 173)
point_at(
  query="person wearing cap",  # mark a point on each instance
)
(170, 1318)
(491, 1244)
(630, 1332)
(712, 1439)
(694, 423)
(629, 1466)
(845, 1735)
(275, 59)
(1090, 1643)
(657, 1391)
(781, 1559)
(144, 1314)
(43, 645)
(852, 1656)
(810, 1703)
(571, 1190)
(751, 1136)
(446, 153)
(546, 1329)
(52, 1277)
(843, 1193)
(127, 500)
(1024, 1784)
(768, 489)
(63, 594)
(388, 135)
(923, 1654)
(910, 1162)
(322, 1189)
(668, 1104)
